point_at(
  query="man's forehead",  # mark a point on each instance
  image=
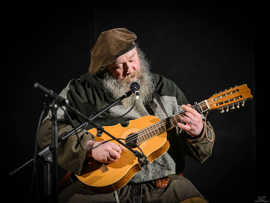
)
(124, 57)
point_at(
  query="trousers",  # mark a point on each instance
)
(178, 189)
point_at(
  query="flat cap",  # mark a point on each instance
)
(109, 45)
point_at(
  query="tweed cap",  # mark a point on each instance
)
(109, 45)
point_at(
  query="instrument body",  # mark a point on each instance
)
(108, 177)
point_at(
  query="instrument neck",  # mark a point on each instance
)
(168, 123)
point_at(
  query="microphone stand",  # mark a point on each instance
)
(49, 153)
(50, 165)
(141, 157)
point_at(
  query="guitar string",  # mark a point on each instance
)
(157, 129)
(145, 133)
(149, 130)
(153, 128)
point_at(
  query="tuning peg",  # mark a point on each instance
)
(238, 105)
(222, 110)
(227, 109)
(243, 103)
(232, 107)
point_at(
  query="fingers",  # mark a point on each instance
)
(188, 109)
(191, 120)
(117, 148)
(192, 115)
(107, 153)
(185, 127)
(114, 151)
(113, 155)
(187, 119)
(110, 146)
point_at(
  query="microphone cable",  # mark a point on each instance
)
(130, 109)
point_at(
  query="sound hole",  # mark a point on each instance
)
(131, 140)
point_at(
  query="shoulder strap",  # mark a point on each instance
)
(157, 96)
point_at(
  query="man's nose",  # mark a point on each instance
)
(127, 69)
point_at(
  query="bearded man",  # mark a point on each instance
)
(116, 62)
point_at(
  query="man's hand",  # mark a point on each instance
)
(192, 121)
(107, 152)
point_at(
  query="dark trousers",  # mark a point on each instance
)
(178, 189)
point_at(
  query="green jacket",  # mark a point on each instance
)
(88, 96)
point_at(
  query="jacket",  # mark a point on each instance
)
(88, 95)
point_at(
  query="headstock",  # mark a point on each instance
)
(230, 99)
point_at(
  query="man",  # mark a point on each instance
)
(116, 61)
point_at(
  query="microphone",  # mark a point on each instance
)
(134, 88)
(58, 99)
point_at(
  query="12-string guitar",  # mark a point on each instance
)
(149, 135)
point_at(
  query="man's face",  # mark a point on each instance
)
(126, 67)
(129, 67)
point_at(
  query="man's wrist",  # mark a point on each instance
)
(196, 138)
(90, 147)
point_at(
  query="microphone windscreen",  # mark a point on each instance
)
(134, 86)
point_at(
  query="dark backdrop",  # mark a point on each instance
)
(204, 50)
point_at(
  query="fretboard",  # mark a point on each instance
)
(167, 124)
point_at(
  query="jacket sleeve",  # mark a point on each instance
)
(71, 153)
(201, 147)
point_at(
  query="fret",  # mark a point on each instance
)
(173, 121)
(151, 131)
(144, 137)
(138, 140)
(177, 119)
(163, 126)
(157, 130)
(147, 133)
(152, 134)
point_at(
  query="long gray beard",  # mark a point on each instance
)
(119, 88)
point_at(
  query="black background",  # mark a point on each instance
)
(204, 50)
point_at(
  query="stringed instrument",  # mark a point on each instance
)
(149, 135)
